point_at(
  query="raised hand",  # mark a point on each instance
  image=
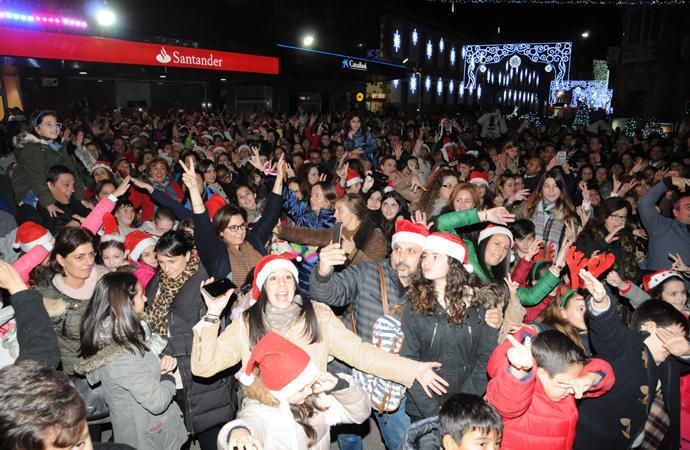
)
(142, 185)
(330, 256)
(123, 187)
(613, 235)
(615, 280)
(519, 196)
(429, 380)
(520, 355)
(675, 344)
(420, 218)
(189, 176)
(242, 439)
(594, 286)
(53, 210)
(499, 215)
(215, 306)
(678, 263)
(582, 384)
(10, 279)
(325, 382)
(534, 247)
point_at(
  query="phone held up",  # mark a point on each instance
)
(337, 233)
(218, 287)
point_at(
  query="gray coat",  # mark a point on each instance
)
(141, 404)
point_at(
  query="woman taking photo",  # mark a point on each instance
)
(281, 308)
(361, 239)
(549, 207)
(174, 306)
(446, 306)
(119, 351)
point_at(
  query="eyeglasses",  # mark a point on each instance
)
(235, 228)
(51, 125)
(619, 218)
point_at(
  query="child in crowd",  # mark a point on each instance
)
(534, 384)
(125, 214)
(113, 254)
(141, 249)
(163, 221)
(288, 403)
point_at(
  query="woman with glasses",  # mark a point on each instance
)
(608, 232)
(225, 244)
(439, 187)
(36, 152)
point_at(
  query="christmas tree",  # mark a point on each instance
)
(653, 126)
(630, 127)
(581, 116)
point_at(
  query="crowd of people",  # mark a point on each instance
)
(273, 281)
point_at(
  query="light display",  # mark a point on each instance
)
(653, 126)
(396, 41)
(413, 83)
(427, 83)
(556, 54)
(461, 89)
(439, 86)
(479, 91)
(482, 68)
(41, 19)
(429, 49)
(548, 68)
(630, 127)
(396, 83)
(441, 45)
(593, 93)
(452, 56)
(415, 37)
(451, 86)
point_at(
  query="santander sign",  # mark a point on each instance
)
(47, 45)
(210, 61)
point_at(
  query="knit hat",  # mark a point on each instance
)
(406, 231)
(265, 266)
(654, 279)
(353, 177)
(450, 245)
(213, 204)
(479, 178)
(285, 368)
(495, 229)
(30, 234)
(136, 242)
(102, 165)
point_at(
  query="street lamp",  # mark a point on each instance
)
(105, 17)
(308, 40)
(585, 34)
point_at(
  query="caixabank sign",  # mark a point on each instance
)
(41, 44)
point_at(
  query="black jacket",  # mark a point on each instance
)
(422, 435)
(35, 335)
(463, 351)
(210, 401)
(614, 420)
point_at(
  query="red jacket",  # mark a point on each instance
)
(530, 419)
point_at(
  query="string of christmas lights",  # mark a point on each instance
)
(568, 2)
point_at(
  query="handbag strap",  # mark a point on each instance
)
(384, 291)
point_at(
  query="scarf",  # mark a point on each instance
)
(281, 320)
(242, 261)
(168, 289)
(547, 223)
(83, 293)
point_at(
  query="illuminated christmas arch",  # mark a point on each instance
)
(555, 55)
(593, 93)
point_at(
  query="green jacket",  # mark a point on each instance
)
(527, 296)
(34, 159)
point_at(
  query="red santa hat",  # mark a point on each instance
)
(136, 242)
(111, 231)
(448, 151)
(495, 229)
(479, 178)
(406, 231)
(655, 279)
(353, 177)
(213, 204)
(389, 188)
(265, 266)
(30, 234)
(450, 245)
(102, 165)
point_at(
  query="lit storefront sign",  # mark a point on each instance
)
(41, 44)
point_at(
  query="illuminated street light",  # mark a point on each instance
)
(308, 40)
(585, 34)
(105, 17)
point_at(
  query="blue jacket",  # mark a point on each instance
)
(366, 143)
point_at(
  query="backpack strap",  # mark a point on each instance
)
(384, 291)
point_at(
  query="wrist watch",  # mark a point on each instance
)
(211, 318)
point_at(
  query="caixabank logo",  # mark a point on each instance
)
(178, 57)
(354, 65)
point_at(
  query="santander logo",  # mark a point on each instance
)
(188, 60)
(163, 56)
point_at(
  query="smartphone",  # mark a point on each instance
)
(219, 287)
(337, 233)
(560, 157)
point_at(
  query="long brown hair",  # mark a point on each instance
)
(469, 187)
(303, 413)
(551, 315)
(460, 294)
(425, 203)
(564, 206)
